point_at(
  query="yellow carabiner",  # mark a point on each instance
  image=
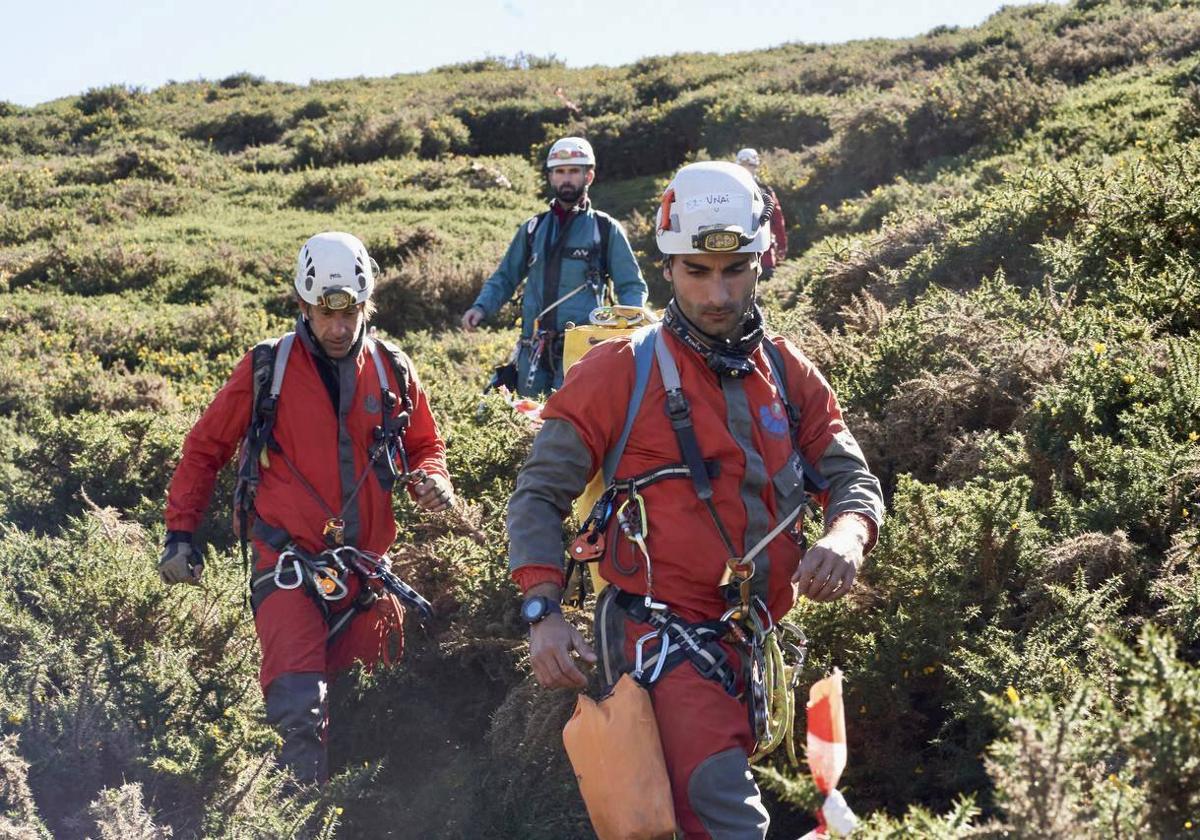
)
(623, 518)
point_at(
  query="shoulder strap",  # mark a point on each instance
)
(391, 430)
(282, 350)
(531, 228)
(397, 361)
(679, 412)
(814, 482)
(642, 342)
(604, 225)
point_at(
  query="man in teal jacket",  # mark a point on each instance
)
(567, 255)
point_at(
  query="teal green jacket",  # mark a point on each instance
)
(573, 259)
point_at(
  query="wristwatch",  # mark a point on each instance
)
(538, 607)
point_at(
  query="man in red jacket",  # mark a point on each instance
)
(709, 479)
(777, 252)
(334, 421)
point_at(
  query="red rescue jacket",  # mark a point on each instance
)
(330, 452)
(685, 547)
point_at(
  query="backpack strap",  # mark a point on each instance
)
(268, 362)
(814, 482)
(643, 342)
(531, 229)
(389, 434)
(597, 273)
(679, 412)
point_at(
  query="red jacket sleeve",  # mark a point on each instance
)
(207, 448)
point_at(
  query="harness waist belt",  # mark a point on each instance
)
(679, 641)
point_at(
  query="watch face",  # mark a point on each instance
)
(534, 609)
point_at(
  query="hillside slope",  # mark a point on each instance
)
(996, 261)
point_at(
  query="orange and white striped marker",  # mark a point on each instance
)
(827, 756)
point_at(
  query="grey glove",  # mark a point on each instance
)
(180, 562)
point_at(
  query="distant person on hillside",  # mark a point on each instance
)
(713, 435)
(570, 257)
(330, 422)
(777, 253)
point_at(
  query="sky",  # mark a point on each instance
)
(64, 48)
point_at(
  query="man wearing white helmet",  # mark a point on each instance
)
(712, 436)
(748, 159)
(570, 256)
(330, 421)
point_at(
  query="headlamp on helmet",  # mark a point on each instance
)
(337, 298)
(721, 240)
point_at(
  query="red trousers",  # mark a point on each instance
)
(706, 739)
(292, 632)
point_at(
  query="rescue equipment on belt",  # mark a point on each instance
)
(325, 575)
(616, 753)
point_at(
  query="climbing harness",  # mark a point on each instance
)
(269, 364)
(324, 577)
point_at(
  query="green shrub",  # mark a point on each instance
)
(444, 135)
(328, 191)
(506, 127)
(241, 80)
(118, 98)
(358, 138)
(238, 129)
(764, 121)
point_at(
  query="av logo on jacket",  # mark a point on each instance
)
(371, 403)
(773, 419)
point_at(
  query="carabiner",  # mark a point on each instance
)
(639, 661)
(624, 519)
(296, 570)
(328, 584)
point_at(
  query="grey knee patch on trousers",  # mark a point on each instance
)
(296, 708)
(725, 798)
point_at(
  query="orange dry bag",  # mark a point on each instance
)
(617, 757)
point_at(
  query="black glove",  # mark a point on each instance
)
(180, 562)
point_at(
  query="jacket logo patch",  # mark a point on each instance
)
(773, 419)
(579, 253)
(371, 403)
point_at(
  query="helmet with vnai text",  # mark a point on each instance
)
(570, 151)
(713, 207)
(333, 270)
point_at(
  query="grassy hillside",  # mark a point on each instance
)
(995, 260)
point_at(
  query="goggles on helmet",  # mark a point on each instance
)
(338, 298)
(721, 240)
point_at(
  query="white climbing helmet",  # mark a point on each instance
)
(570, 151)
(334, 270)
(747, 157)
(713, 207)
